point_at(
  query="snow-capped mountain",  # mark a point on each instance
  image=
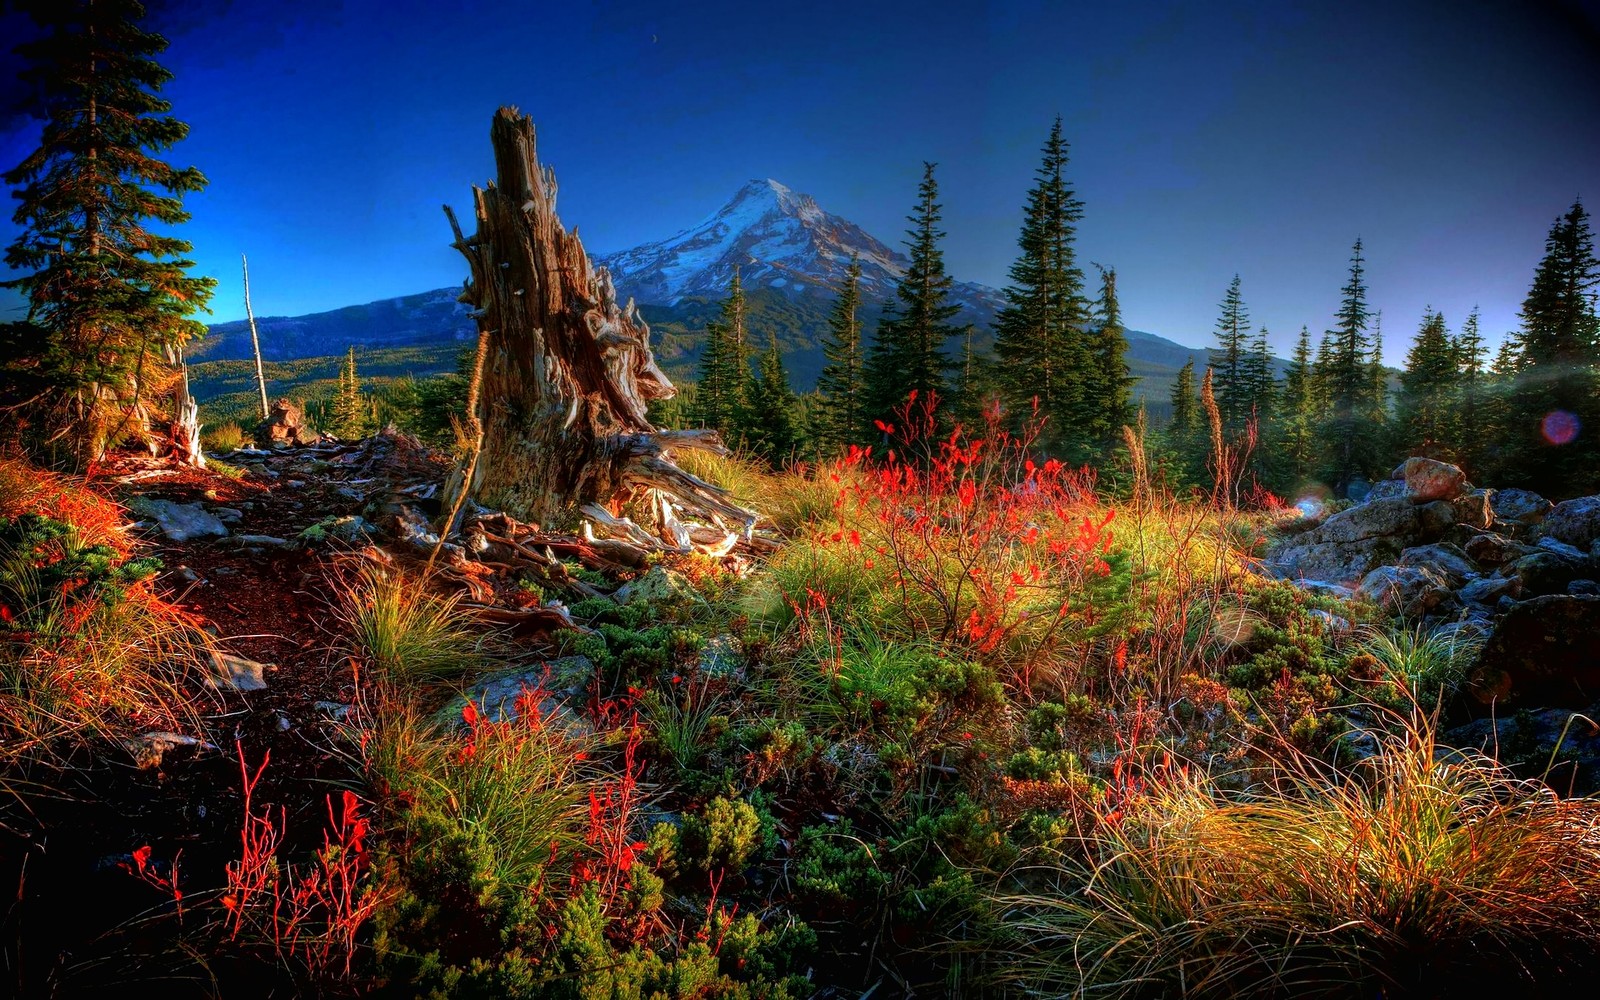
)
(778, 239)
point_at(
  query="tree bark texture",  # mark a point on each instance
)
(567, 373)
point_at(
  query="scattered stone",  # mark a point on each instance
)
(1427, 480)
(1575, 522)
(1519, 506)
(294, 484)
(148, 749)
(1409, 591)
(1331, 622)
(284, 723)
(722, 656)
(659, 585)
(502, 696)
(229, 515)
(260, 541)
(353, 529)
(180, 522)
(337, 711)
(184, 574)
(1587, 588)
(1324, 588)
(1544, 652)
(236, 672)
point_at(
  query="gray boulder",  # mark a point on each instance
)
(1487, 590)
(1545, 652)
(658, 585)
(1388, 489)
(1575, 522)
(1444, 559)
(236, 672)
(1519, 506)
(1545, 572)
(1494, 550)
(504, 695)
(181, 522)
(1427, 480)
(1434, 519)
(1530, 739)
(1473, 509)
(1408, 591)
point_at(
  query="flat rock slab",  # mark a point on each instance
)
(236, 673)
(181, 522)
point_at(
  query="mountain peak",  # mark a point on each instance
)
(776, 237)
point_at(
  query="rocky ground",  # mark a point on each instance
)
(1505, 566)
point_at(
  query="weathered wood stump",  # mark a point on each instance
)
(568, 374)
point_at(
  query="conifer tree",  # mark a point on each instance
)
(109, 299)
(771, 427)
(841, 382)
(909, 352)
(1425, 410)
(1040, 345)
(348, 418)
(1110, 392)
(1184, 435)
(1228, 362)
(1345, 436)
(1466, 429)
(722, 389)
(1554, 414)
(1297, 415)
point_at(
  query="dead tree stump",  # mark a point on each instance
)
(567, 373)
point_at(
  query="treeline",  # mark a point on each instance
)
(1527, 418)
(1059, 358)
(1332, 422)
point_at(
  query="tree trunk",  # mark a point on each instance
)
(185, 443)
(567, 372)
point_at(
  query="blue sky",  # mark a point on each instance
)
(1207, 139)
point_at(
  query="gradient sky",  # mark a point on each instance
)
(1207, 139)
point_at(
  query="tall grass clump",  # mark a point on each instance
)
(1422, 665)
(1418, 873)
(223, 437)
(88, 650)
(406, 632)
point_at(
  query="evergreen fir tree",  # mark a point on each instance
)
(1185, 436)
(1466, 431)
(1228, 362)
(841, 382)
(1345, 436)
(1297, 416)
(1378, 389)
(1555, 418)
(108, 297)
(1111, 390)
(772, 428)
(722, 389)
(348, 419)
(1425, 409)
(1043, 353)
(908, 354)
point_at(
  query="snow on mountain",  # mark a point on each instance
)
(778, 239)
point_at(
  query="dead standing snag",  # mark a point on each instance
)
(568, 374)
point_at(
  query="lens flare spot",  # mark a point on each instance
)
(1559, 427)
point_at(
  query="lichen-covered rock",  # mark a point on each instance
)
(1434, 519)
(1545, 652)
(658, 585)
(1543, 571)
(1494, 550)
(1444, 559)
(503, 696)
(1575, 522)
(1409, 591)
(286, 427)
(1519, 506)
(1473, 509)
(1427, 480)
(181, 522)
(1488, 590)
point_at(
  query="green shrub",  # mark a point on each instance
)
(728, 834)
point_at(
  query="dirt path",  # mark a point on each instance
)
(82, 921)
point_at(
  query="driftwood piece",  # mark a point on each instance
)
(568, 373)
